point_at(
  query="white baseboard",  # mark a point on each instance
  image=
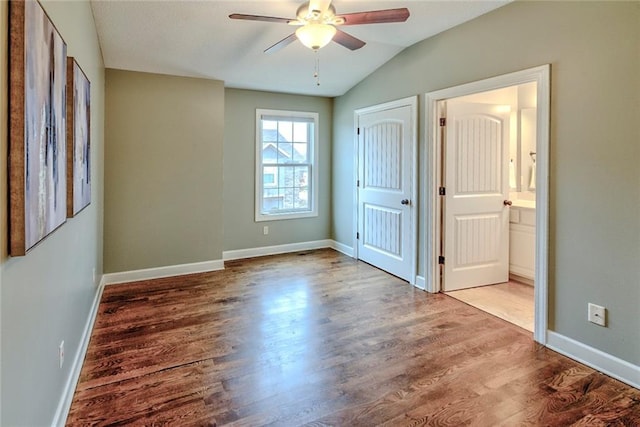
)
(160, 272)
(275, 250)
(420, 283)
(341, 247)
(201, 267)
(64, 405)
(597, 359)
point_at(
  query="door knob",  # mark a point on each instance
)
(507, 203)
(404, 201)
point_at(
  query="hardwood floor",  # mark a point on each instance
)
(319, 339)
(511, 301)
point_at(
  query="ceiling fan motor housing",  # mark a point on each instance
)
(306, 15)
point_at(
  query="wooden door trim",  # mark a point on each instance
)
(540, 75)
(412, 102)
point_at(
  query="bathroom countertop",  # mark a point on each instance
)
(528, 204)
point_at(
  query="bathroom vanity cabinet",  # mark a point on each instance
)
(522, 240)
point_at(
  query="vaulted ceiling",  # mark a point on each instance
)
(197, 39)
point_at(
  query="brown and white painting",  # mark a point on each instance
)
(78, 131)
(37, 140)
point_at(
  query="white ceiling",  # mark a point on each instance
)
(197, 39)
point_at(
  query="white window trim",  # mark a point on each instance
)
(313, 185)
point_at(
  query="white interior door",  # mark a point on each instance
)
(476, 218)
(386, 211)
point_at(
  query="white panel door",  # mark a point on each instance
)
(476, 219)
(385, 209)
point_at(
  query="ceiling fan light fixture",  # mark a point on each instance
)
(315, 36)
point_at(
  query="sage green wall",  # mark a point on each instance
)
(240, 229)
(163, 170)
(594, 52)
(46, 295)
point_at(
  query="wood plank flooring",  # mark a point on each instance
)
(511, 301)
(319, 339)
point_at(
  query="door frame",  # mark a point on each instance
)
(412, 102)
(541, 75)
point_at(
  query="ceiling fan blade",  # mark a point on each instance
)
(347, 40)
(244, 17)
(375, 16)
(281, 44)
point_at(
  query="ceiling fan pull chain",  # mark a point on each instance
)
(316, 72)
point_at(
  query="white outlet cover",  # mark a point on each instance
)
(597, 314)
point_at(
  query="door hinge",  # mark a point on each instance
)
(441, 260)
(357, 236)
(358, 183)
(442, 191)
(443, 121)
(358, 131)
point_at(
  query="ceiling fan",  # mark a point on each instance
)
(317, 22)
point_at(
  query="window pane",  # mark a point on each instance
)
(270, 204)
(301, 199)
(285, 176)
(269, 175)
(285, 150)
(269, 131)
(285, 131)
(288, 198)
(301, 132)
(269, 152)
(301, 193)
(300, 153)
(302, 176)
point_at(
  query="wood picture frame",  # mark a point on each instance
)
(78, 139)
(37, 126)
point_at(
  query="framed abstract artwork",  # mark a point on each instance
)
(78, 139)
(37, 128)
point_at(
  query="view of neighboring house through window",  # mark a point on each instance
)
(286, 170)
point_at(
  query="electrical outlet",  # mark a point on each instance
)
(61, 354)
(597, 315)
(265, 230)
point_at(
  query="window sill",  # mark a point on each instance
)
(278, 217)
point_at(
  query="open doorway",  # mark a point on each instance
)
(488, 164)
(488, 144)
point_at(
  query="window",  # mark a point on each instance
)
(286, 164)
